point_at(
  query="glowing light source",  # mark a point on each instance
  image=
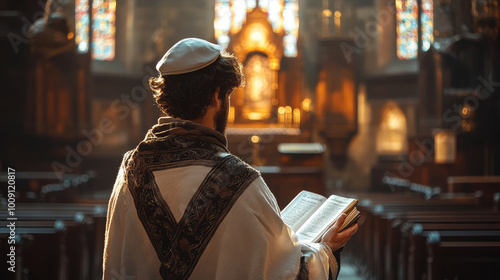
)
(392, 132)
(255, 139)
(288, 116)
(445, 146)
(281, 115)
(256, 35)
(296, 117)
(306, 105)
(283, 16)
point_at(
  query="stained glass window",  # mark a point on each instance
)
(282, 14)
(274, 14)
(291, 27)
(222, 22)
(407, 28)
(82, 25)
(251, 4)
(103, 26)
(427, 24)
(240, 12)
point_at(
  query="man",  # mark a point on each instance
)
(184, 207)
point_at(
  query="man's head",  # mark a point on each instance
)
(193, 75)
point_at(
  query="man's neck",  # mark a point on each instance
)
(208, 119)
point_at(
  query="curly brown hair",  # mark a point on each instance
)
(188, 96)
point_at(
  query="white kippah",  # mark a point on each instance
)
(188, 55)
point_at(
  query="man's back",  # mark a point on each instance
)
(184, 207)
(223, 214)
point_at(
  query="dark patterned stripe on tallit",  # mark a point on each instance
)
(179, 246)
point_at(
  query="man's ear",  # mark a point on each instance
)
(216, 101)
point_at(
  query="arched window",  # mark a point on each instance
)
(407, 15)
(103, 28)
(392, 131)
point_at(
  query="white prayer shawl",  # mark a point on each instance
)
(251, 242)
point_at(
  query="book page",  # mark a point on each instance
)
(324, 217)
(301, 208)
(352, 217)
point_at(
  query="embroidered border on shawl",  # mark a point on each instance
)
(179, 246)
(332, 261)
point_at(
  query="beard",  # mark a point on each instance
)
(220, 118)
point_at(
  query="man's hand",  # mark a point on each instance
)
(337, 239)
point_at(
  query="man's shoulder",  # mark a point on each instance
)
(233, 163)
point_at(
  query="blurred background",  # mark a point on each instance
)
(393, 102)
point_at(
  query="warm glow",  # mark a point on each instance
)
(445, 146)
(394, 120)
(288, 116)
(338, 14)
(258, 92)
(306, 105)
(281, 115)
(398, 4)
(255, 139)
(231, 115)
(296, 117)
(255, 116)
(274, 64)
(392, 131)
(256, 36)
(230, 15)
(465, 111)
(327, 13)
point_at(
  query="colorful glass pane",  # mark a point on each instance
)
(291, 27)
(427, 23)
(263, 4)
(222, 22)
(407, 28)
(251, 4)
(103, 26)
(239, 10)
(82, 25)
(274, 14)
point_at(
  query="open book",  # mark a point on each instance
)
(310, 215)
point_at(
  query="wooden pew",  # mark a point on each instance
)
(405, 255)
(462, 258)
(487, 185)
(378, 218)
(94, 210)
(393, 246)
(359, 246)
(85, 243)
(48, 240)
(416, 258)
